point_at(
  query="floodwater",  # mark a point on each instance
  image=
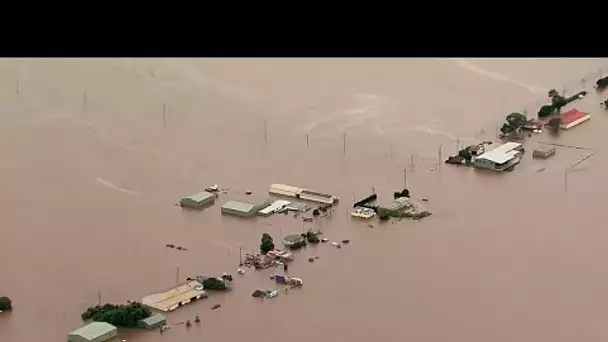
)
(92, 166)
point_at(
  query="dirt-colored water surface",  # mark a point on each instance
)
(91, 170)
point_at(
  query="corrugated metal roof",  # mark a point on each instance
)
(165, 300)
(502, 153)
(94, 330)
(200, 197)
(154, 319)
(276, 205)
(239, 206)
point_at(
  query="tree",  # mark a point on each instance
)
(554, 125)
(214, 284)
(266, 243)
(124, 316)
(5, 303)
(514, 121)
(546, 110)
(311, 237)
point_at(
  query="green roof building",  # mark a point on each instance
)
(242, 209)
(153, 322)
(94, 332)
(197, 201)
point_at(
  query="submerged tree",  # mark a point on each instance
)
(124, 316)
(5, 303)
(214, 284)
(266, 243)
(514, 121)
(554, 125)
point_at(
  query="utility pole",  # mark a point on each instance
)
(17, 88)
(405, 178)
(439, 156)
(84, 101)
(307, 141)
(177, 276)
(164, 115)
(265, 131)
(240, 256)
(344, 143)
(458, 145)
(99, 298)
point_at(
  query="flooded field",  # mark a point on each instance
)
(95, 153)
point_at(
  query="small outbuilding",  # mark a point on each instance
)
(94, 332)
(293, 239)
(543, 152)
(242, 209)
(153, 322)
(198, 200)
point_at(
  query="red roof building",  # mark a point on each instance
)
(573, 117)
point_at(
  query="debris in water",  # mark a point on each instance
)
(197, 319)
(213, 188)
(335, 244)
(316, 257)
(424, 199)
(240, 271)
(370, 225)
(188, 324)
(248, 192)
(216, 306)
(324, 240)
(345, 241)
(541, 169)
(311, 259)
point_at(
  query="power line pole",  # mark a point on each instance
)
(17, 88)
(84, 101)
(164, 115)
(177, 276)
(344, 143)
(265, 131)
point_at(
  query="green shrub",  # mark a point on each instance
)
(266, 243)
(214, 284)
(124, 316)
(5, 303)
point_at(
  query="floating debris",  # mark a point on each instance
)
(197, 319)
(216, 306)
(311, 259)
(240, 271)
(248, 192)
(213, 188)
(188, 324)
(324, 240)
(424, 199)
(345, 241)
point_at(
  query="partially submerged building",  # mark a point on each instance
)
(305, 194)
(501, 158)
(274, 207)
(175, 297)
(284, 190)
(294, 239)
(198, 200)
(242, 209)
(94, 332)
(153, 322)
(543, 152)
(572, 118)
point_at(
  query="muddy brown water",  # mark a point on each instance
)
(91, 171)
